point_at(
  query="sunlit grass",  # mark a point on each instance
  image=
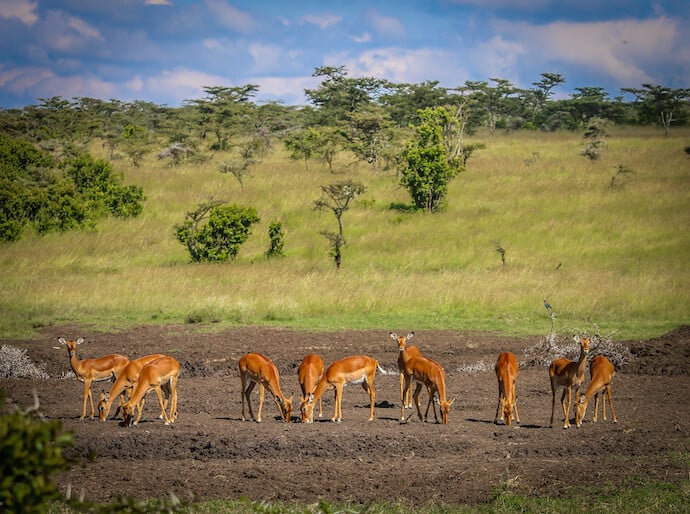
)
(617, 257)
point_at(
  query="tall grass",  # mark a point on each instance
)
(617, 257)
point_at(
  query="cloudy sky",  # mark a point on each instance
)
(166, 51)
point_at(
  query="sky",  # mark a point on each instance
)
(167, 51)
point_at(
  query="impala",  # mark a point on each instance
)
(568, 375)
(258, 369)
(602, 373)
(357, 369)
(126, 381)
(506, 372)
(154, 375)
(92, 370)
(309, 373)
(405, 354)
(429, 373)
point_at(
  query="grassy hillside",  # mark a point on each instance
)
(614, 257)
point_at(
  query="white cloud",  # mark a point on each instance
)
(386, 25)
(322, 20)
(64, 32)
(409, 66)
(364, 38)
(44, 83)
(230, 16)
(179, 84)
(157, 2)
(265, 56)
(23, 10)
(288, 89)
(618, 49)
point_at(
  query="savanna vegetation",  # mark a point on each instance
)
(470, 205)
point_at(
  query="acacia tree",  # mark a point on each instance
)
(336, 198)
(663, 105)
(432, 160)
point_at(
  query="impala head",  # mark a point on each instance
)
(102, 400)
(285, 407)
(584, 343)
(401, 340)
(445, 409)
(128, 414)
(306, 409)
(71, 344)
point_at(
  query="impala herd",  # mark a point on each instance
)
(133, 379)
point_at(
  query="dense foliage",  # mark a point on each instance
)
(215, 232)
(38, 191)
(30, 453)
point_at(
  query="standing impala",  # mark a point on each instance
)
(126, 381)
(309, 373)
(357, 369)
(157, 373)
(93, 370)
(506, 372)
(258, 369)
(429, 373)
(568, 375)
(602, 373)
(405, 354)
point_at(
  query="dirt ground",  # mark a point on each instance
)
(209, 453)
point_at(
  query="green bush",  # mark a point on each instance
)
(214, 232)
(30, 453)
(35, 192)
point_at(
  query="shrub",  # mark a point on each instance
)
(30, 453)
(214, 232)
(276, 237)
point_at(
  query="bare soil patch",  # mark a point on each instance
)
(209, 453)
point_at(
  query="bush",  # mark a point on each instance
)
(30, 453)
(214, 232)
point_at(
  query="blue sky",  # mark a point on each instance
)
(166, 51)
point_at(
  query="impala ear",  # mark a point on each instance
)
(80, 340)
(394, 335)
(61, 340)
(451, 402)
(410, 335)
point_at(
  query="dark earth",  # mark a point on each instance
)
(210, 453)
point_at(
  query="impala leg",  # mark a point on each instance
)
(405, 391)
(338, 413)
(565, 401)
(499, 406)
(247, 394)
(173, 399)
(140, 409)
(262, 392)
(372, 400)
(608, 394)
(159, 394)
(415, 397)
(515, 408)
(431, 404)
(87, 395)
(553, 399)
(242, 394)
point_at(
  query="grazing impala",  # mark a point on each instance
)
(309, 373)
(153, 376)
(93, 370)
(258, 369)
(568, 375)
(357, 369)
(405, 354)
(506, 372)
(430, 374)
(126, 381)
(602, 373)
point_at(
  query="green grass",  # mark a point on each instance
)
(637, 499)
(617, 258)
